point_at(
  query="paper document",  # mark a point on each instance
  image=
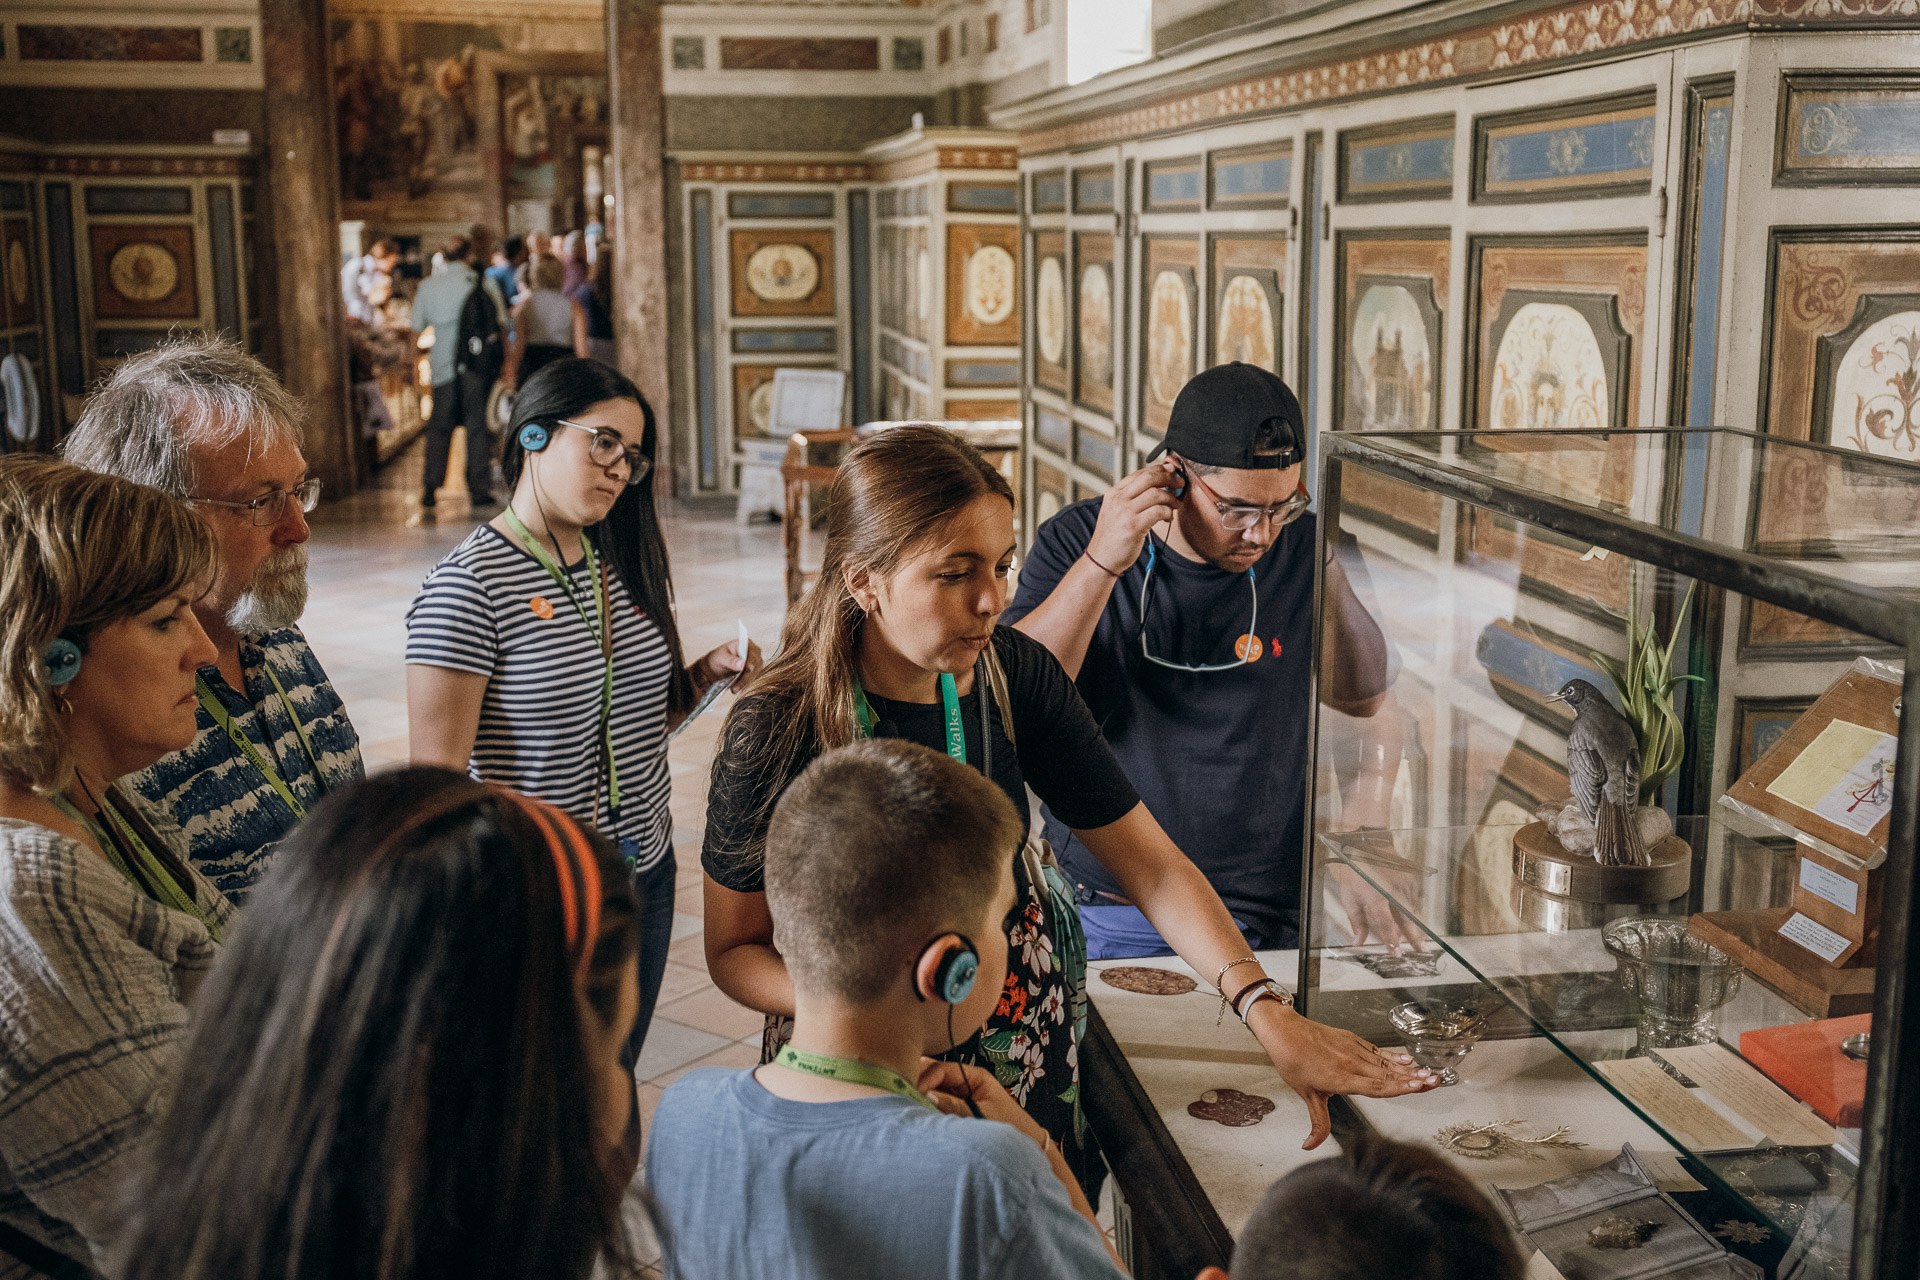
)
(1754, 1098)
(714, 690)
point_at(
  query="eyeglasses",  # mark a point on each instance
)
(1239, 517)
(270, 509)
(1248, 643)
(609, 447)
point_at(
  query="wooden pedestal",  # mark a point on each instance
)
(1811, 985)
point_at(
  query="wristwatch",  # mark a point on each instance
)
(1265, 989)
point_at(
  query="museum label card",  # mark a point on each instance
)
(1668, 1104)
(1845, 775)
(1815, 937)
(1835, 888)
(1754, 1098)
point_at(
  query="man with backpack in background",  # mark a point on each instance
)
(469, 350)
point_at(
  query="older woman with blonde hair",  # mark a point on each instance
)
(105, 928)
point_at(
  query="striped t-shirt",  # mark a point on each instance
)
(489, 608)
(232, 816)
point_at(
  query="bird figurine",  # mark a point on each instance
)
(1603, 764)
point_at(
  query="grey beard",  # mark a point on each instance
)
(275, 598)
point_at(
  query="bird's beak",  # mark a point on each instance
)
(1556, 697)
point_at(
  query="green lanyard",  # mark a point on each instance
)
(852, 1072)
(218, 710)
(949, 699)
(602, 636)
(132, 858)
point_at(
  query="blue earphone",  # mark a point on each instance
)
(534, 437)
(953, 979)
(62, 659)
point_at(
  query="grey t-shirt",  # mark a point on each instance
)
(750, 1185)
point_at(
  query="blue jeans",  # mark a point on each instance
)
(653, 888)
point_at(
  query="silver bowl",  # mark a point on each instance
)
(1439, 1033)
(1678, 981)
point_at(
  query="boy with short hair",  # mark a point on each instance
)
(855, 1154)
(1380, 1208)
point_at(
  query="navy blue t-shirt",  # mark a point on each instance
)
(1220, 757)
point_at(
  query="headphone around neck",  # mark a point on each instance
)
(954, 975)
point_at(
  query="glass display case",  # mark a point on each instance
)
(1677, 915)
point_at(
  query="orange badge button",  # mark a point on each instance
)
(1248, 648)
(541, 606)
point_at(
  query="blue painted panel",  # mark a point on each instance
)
(1709, 255)
(1253, 179)
(1092, 190)
(975, 197)
(1401, 166)
(780, 204)
(1884, 128)
(983, 373)
(13, 196)
(707, 442)
(224, 244)
(1524, 661)
(63, 275)
(1050, 192)
(1053, 431)
(859, 305)
(1095, 452)
(1172, 183)
(1558, 155)
(761, 341)
(139, 200)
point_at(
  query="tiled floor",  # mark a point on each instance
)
(369, 555)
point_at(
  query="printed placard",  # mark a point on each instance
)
(1834, 887)
(1815, 937)
(1845, 775)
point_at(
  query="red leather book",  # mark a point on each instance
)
(1804, 1058)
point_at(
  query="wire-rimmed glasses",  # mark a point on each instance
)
(607, 448)
(270, 509)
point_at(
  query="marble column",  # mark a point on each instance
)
(639, 224)
(303, 196)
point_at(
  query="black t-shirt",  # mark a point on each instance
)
(1061, 753)
(1220, 757)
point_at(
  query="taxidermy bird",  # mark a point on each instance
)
(1603, 764)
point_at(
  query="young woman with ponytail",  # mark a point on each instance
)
(898, 638)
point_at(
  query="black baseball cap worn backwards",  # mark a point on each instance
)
(1239, 416)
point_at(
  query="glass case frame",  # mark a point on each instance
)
(1455, 465)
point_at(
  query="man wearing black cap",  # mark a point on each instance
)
(1194, 649)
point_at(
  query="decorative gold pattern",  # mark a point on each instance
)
(1581, 28)
(143, 272)
(1492, 1141)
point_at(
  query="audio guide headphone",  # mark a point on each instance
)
(953, 977)
(534, 437)
(62, 660)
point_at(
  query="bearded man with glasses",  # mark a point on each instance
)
(1181, 601)
(208, 423)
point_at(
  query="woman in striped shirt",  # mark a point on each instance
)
(542, 652)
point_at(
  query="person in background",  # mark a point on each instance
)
(204, 421)
(573, 252)
(1380, 1208)
(1194, 651)
(459, 393)
(538, 245)
(505, 267)
(595, 299)
(542, 652)
(366, 281)
(108, 929)
(547, 324)
(469, 954)
(854, 1154)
